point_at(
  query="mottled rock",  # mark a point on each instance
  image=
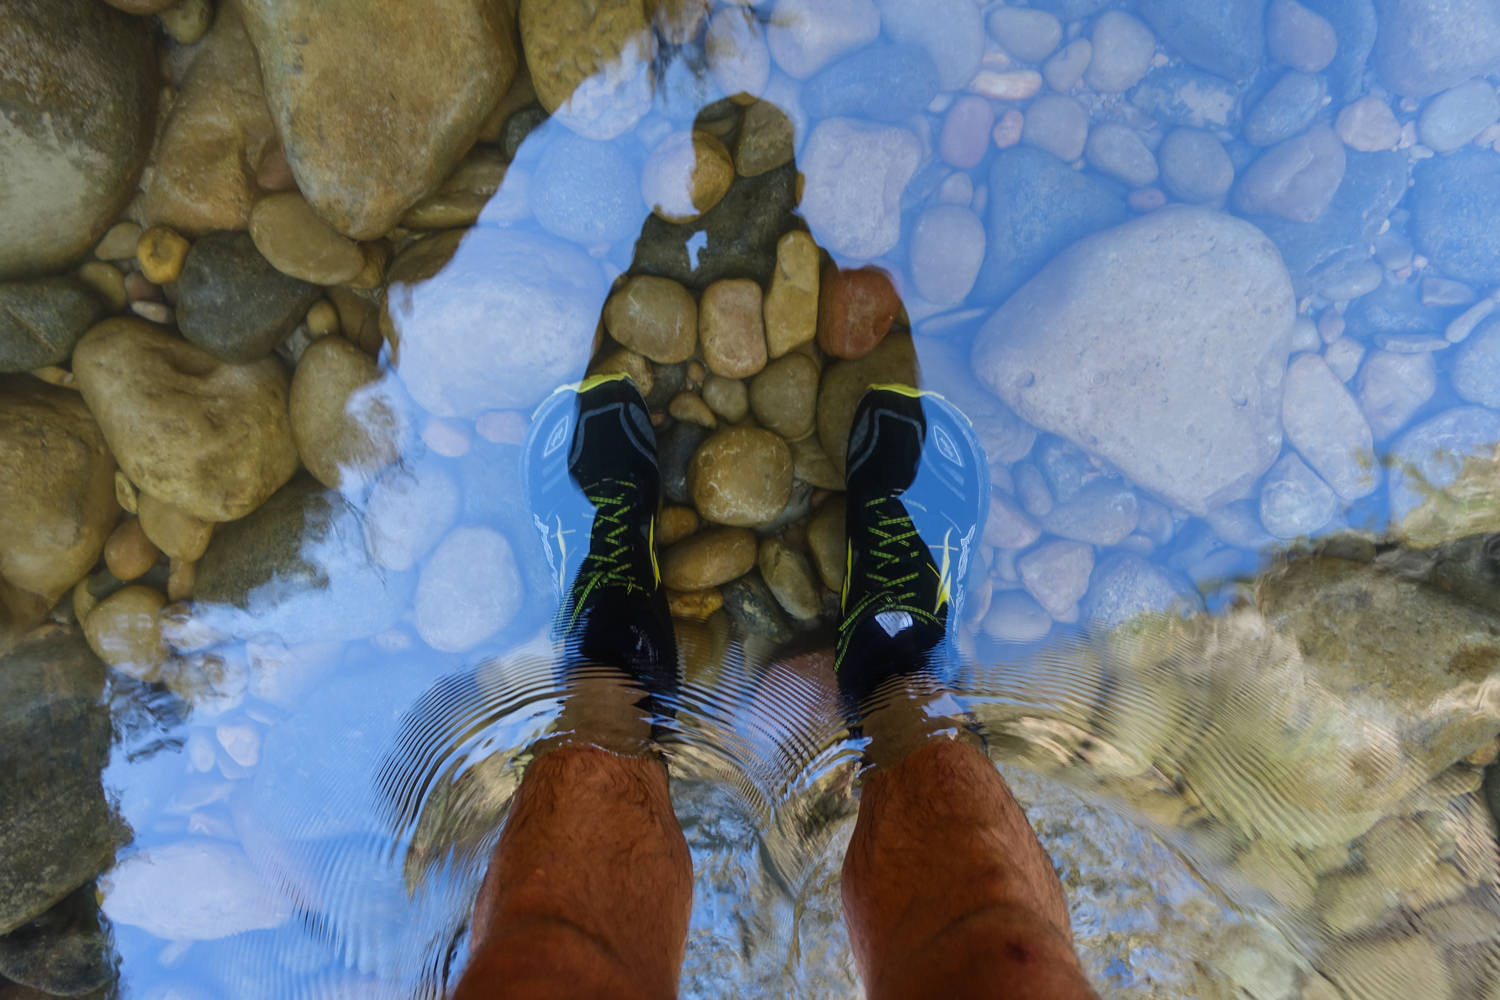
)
(1424, 47)
(1324, 423)
(58, 493)
(1455, 200)
(727, 397)
(675, 448)
(855, 176)
(709, 558)
(78, 89)
(731, 328)
(947, 250)
(1457, 115)
(211, 438)
(430, 94)
(855, 310)
(790, 579)
(469, 589)
(64, 952)
(345, 421)
(234, 303)
(806, 35)
(41, 319)
(1194, 166)
(194, 890)
(1225, 38)
(1145, 402)
(887, 83)
(767, 140)
(782, 396)
(291, 236)
(1180, 95)
(1122, 51)
(1028, 34)
(1299, 38)
(736, 52)
(753, 607)
(655, 317)
(1126, 585)
(741, 476)
(1293, 501)
(1038, 206)
(500, 287)
(1056, 124)
(1443, 475)
(1392, 387)
(895, 360)
(1057, 575)
(297, 569)
(1368, 125)
(1290, 106)
(686, 175)
(791, 303)
(1119, 151)
(950, 31)
(125, 631)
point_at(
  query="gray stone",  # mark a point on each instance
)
(1159, 346)
(1065, 69)
(233, 303)
(501, 287)
(1299, 38)
(469, 589)
(1294, 502)
(1476, 372)
(1454, 207)
(734, 239)
(753, 607)
(1102, 513)
(1391, 388)
(1194, 166)
(586, 191)
(1014, 616)
(1433, 496)
(1425, 46)
(1368, 125)
(1057, 575)
(1122, 51)
(1006, 437)
(1295, 179)
(59, 831)
(1393, 309)
(950, 31)
(1324, 423)
(1181, 95)
(1455, 116)
(1290, 106)
(806, 35)
(408, 510)
(63, 952)
(674, 448)
(1226, 38)
(1119, 151)
(855, 174)
(886, 83)
(947, 249)
(1038, 206)
(77, 106)
(1026, 33)
(1354, 24)
(1125, 585)
(1056, 124)
(41, 320)
(193, 890)
(297, 568)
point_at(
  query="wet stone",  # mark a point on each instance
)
(234, 303)
(1368, 125)
(950, 31)
(887, 83)
(1101, 513)
(1015, 616)
(736, 52)
(674, 450)
(1453, 205)
(291, 236)
(1393, 309)
(519, 126)
(345, 420)
(727, 397)
(709, 558)
(844, 382)
(1295, 179)
(1185, 96)
(1391, 388)
(1122, 51)
(64, 952)
(731, 328)
(1476, 372)
(855, 176)
(766, 140)
(1063, 71)
(1293, 501)
(41, 320)
(1226, 39)
(1425, 47)
(195, 889)
(1291, 104)
(1126, 585)
(826, 540)
(1028, 34)
(1299, 38)
(1194, 166)
(965, 137)
(1324, 423)
(806, 35)
(855, 310)
(1119, 151)
(655, 317)
(782, 397)
(947, 250)
(685, 175)
(741, 476)
(790, 579)
(791, 303)
(469, 589)
(666, 382)
(1056, 574)
(1056, 124)
(1452, 118)
(585, 191)
(753, 607)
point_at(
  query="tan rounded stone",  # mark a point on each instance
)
(160, 252)
(590, 62)
(107, 280)
(767, 140)
(687, 407)
(84, 600)
(622, 361)
(731, 328)
(694, 605)
(120, 243)
(346, 424)
(791, 306)
(686, 175)
(211, 438)
(290, 235)
(811, 464)
(783, 396)
(727, 397)
(128, 553)
(322, 319)
(709, 558)
(790, 578)
(182, 577)
(177, 533)
(187, 20)
(655, 317)
(674, 524)
(741, 476)
(827, 542)
(125, 493)
(124, 630)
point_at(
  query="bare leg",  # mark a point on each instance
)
(590, 887)
(947, 891)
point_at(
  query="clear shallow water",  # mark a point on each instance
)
(1268, 800)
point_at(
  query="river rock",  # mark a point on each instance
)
(950, 31)
(1294, 502)
(887, 83)
(203, 176)
(64, 952)
(58, 493)
(1185, 401)
(844, 382)
(1056, 574)
(1295, 179)
(233, 303)
(1037, 206)
(686, 175)
(791, 303)
(1290, 106)
(1224, 38)
(1455, 116)
(469, 589)
(1299, 38)
(806, 35)
(1122, 51)
(751, 605)
(947, 250)
(767, 139)
(1056, 124)
(211, 438)
(193, 890)
(1442, 478)
(59, 831)
(709, 558)
(1368, 125)
(585, 191)
(855, 310)
(1392, 387)
(655, 317)
(1324, 423)
(1028, 34)
(855, 175)
(1194, 166)
(430, 94)
(731, 328)
(501, 287)
(736, 53)
(291, 236)
(345, 421)
(125, 631)
(41, 319)
(1454, 202)
(297, 569)
(790, 579)
(78, 89)
(1424, 47)
(1126, 585)
(741, 476)
(675, 448)
(408, 511)
(1119, 151)
(782, 397)
(590, 63)
(177, 533)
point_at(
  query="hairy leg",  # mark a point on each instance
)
(590, 887)
(947, 891)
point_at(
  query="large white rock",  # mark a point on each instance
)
(194, 890)
(1160, 346)
(1324, 423)
(855, 174)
